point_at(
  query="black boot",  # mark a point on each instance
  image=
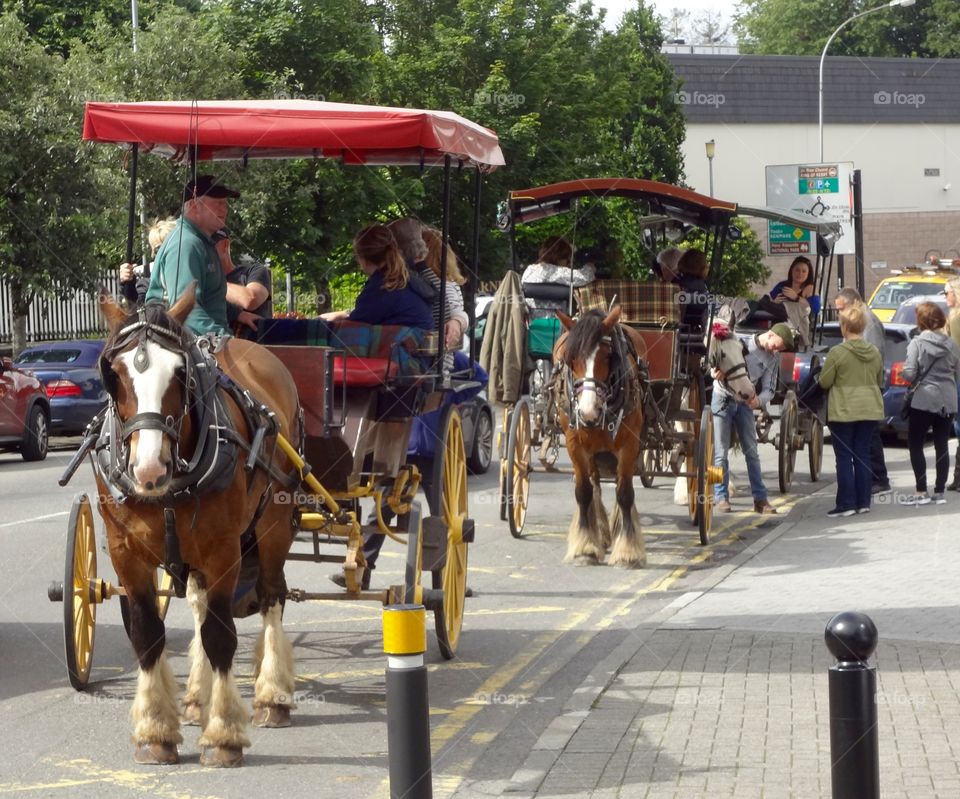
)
(955, 485)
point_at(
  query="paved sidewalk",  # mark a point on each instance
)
(724, 694)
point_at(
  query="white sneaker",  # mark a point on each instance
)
(939, 499)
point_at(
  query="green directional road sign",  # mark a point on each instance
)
(787, 240)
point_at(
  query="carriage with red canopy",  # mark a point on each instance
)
(360, 387)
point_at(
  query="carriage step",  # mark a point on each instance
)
(685, 415)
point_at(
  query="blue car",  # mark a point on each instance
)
(69, 373)
(895, 355)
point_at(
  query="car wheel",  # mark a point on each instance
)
(35, 438)
(481, 453)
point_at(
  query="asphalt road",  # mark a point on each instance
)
(534, 629)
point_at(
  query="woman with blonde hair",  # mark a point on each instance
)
(853, 374)
(386, 297)
(409, 233)
(133, 282)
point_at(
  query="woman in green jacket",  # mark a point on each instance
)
(853, 374)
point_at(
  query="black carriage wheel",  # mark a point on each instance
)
(705, 467)
(517, 474)
(79, 602)
(815, 448)
(447, 497)
(648, 465)
(787, 454)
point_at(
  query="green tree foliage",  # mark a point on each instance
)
(51, 215)
(567, 98)
(802, 27)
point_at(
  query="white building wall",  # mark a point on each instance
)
(891, 158)
(906, 213)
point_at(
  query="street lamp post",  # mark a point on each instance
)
(711, 151)
(823, 55)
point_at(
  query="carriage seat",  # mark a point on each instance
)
(557, 292)
(358, 372)
(371, 355)
(651, 303)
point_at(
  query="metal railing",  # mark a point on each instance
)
(55, 317)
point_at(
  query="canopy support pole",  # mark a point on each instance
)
(474, 266)
(132, 203)
(445, 242)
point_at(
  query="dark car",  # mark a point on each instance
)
(24, 413)
(895, 354)
(906, 314)
(68, 371)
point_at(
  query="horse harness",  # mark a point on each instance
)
(211, 467)
(619, 396)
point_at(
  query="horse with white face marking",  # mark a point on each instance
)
(170, 468)
(601, 410)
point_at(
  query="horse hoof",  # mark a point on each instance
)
(221, 756)
(586, 560)
(271, 716)
(156, 754)
(192, 714)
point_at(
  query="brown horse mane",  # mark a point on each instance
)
(584, 336)
(155, 313)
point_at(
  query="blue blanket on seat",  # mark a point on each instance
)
(424, 434)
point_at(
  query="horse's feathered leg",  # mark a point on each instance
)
(628, 549)
(156, 723)
(598, 513)
(224, 736)
(273, 691)
(196, 700)
(584, 544)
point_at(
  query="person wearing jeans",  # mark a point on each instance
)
(729, 413)
(852, 374)
(873, 333)
(933, 369)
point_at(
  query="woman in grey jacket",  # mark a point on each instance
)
(933, 367)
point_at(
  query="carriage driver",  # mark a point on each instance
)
(763, 365)
(188, 254)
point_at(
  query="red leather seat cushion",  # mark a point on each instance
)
(363, 372)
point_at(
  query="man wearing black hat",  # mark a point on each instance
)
(188, 254)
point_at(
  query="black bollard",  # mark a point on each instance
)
(854, 744)
(408, 708)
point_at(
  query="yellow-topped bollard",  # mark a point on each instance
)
(404, 630)
(408, 706)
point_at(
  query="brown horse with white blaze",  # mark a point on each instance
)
(601, 410)
(179, 485)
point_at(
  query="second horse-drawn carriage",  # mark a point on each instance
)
(677, 437)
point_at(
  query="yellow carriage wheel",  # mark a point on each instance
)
(80, 596)
(517, 475)
(707, 476)
(695, 402)
(449, 501)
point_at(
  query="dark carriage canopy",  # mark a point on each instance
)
(241, 129)
(528, 205)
